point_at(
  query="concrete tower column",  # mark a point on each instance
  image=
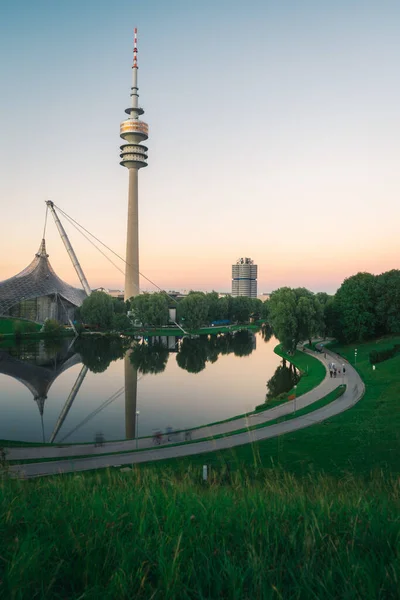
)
(133, 157)
(132, 238)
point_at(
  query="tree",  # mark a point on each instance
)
(214, 307)
(330, 317)
(265, 310)
(121, 322)
(283, 318)
(241, 309)
(281, 381)
(98, 354)
(193, 310)
(192, 355)
(266, 332)
(387, 288)
(150, 309)
(53, 327)
(355, 307)
(295, 315)
(256, 308)
(309, 315)
(225, 306)
(149, 358)
(98, 309)
(242, 343)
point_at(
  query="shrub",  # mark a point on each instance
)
(51, 326)
(378, 356)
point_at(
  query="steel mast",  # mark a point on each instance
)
(69, 248)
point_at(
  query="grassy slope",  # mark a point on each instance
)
(363, 439)
(151, 535)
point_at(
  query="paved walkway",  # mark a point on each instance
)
(353, 393)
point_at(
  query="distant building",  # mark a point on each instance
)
(113, 293)
(244, 278)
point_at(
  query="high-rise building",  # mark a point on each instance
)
(244, 278)
(133, 157)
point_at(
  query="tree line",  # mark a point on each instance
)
(193, 311)
(365, 306)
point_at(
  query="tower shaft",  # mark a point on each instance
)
(132, 238)
(133, 157)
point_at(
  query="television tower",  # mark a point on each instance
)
(133, 157)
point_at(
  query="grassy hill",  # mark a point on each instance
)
(152, 534)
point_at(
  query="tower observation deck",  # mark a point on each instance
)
(133, 157)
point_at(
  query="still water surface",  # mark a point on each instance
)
(170, 382)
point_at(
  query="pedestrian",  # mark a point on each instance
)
(334, 373)
(157, 438)
(344, 370)
(330, 372)
(338, 371)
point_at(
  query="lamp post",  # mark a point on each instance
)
(355, 356)
(295, 398)
(137, 427)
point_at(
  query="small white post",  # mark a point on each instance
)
(205, 472)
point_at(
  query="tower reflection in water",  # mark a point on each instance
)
(131, 379)
(37, 365)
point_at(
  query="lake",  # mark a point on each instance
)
(65, 391)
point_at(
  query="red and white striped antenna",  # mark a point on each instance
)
(135, 65)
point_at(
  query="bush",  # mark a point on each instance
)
(378, 356)
(51, 326)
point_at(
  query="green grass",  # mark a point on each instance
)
(312, 373)
(8, 324)
(147, 534)
(312, 370)
(362, 440)
(203, 331)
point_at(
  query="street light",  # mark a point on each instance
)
(355, 356)
(295, 398)
(137, 427)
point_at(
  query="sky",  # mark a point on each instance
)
(274, 134)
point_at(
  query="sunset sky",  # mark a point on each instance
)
(274, 134)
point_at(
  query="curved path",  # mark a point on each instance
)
(354, 392)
